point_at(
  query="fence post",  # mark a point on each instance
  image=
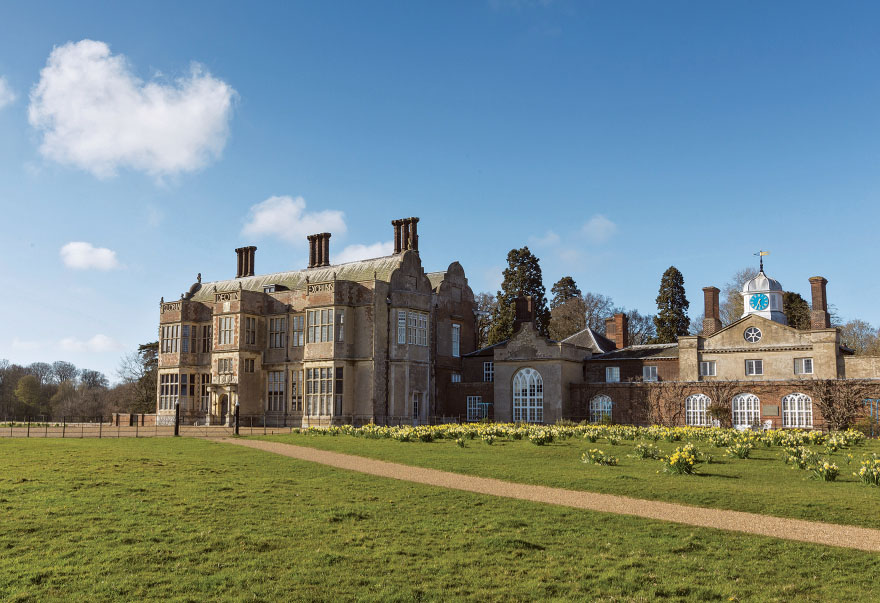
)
(63, 426)
(100, 427)
(237, 407)
(177, 418)
(136, 427)
(29, 427)
(264, 423)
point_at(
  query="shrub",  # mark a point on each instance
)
(595, 456)
(683, 461)
(800, 457)
(740, 449)
(825, 470)
(869, 472)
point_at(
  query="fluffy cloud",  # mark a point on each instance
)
(287, 218)
(7, 96)
(95, 114)
(82, 256)
(356, 252)
(99, 343)
(599, 229)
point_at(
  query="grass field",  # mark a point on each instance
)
(761, 484)
(192, 520)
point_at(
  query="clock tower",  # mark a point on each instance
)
(762, 295)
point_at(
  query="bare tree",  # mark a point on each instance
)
(41, 370)
(63, 371)
(486, 304)
(840, 400)
(665, 401)
(640, 327)
(732, 302)
(567, 318)
(597, 308)
(861, 337)
(721, 393)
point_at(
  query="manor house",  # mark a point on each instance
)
(376, 340)
(382, 340)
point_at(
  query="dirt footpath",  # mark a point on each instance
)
(864, 539)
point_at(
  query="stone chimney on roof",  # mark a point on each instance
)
(245, 266)
(405, 234)
(319, 250)
(523, 311)
(711, 311)
(617, 330)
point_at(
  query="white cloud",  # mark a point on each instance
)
(7, 96)
(95, 114)
(356, 252)
(599, 229)
(549, 239)
(287, 218)
(99, 343)
(82, 256)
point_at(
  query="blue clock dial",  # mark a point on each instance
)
(759, 302)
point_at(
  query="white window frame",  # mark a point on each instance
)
(801, 365)
(745, 410)
(475, 409)
(250, 330)
(277, 331)
(297, 326)
(170, 339)
(528, 396)
(319, 323)
(600, 407)
(401, 327)
(489, 371)
(275, 391)
(456, 340)
(797, 411)
(319, 391)
(612, 374)
(226, 326)
(696, 410)
(649, 373)
(340, 326)
(708, 368)
(456, 377)
(296, 390)
(754, 368)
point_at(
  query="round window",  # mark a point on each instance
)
(752, 335)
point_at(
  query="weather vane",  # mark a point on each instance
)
(761, 255)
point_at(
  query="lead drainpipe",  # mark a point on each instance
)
(387, 350)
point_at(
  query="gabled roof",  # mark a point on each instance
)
(599, 343)
(363, 270)
(655, 351)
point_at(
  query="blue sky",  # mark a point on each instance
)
(615, 139)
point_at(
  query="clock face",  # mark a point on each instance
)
(759, 302)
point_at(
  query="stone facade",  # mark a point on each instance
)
(331, 344)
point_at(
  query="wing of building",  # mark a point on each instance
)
(375, 340)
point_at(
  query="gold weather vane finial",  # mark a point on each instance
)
(761, 255)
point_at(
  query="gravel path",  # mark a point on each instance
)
(853, 537)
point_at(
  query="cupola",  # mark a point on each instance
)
(762, 295)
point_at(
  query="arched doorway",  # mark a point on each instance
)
(746, 411)
(224, 407)
(528, 396)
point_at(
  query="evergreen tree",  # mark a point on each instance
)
(672, 304)
(522, 277)
(564, 290)
(796, 309)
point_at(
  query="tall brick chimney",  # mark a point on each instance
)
(523, 311)
(319, 250)
(406, 234)
(819, 317)
(711, 311)
(245, 264)
(617, 330)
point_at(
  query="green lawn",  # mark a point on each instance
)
(192, 520)
(761, 484)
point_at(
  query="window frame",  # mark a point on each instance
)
(601, 406)
(801, 362)
(708, 364)
(489, 371)
(612, 370)
(649, 373)
(475, 409)
(757, 367)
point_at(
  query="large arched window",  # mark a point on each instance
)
(797, 411)
(600, 409)
(746, 410)
(528, 396)
(695, 412)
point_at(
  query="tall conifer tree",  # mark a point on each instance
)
(522, 277)
(672, 304)
(564, 290)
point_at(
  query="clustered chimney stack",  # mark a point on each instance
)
(617, 330)
(711, 311)
(819, 317)
(406, 234)
(319, 250)
(245, 265)
(523, 311)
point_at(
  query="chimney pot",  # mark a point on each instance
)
(523, 311)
